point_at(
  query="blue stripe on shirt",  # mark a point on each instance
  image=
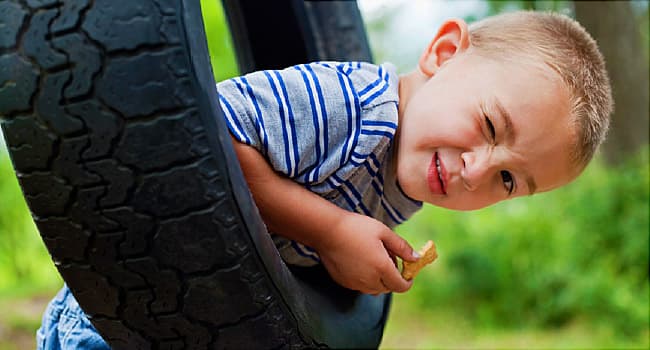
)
(358, 158)
(378, 132)
(372, 164)
(367, 100)
(350, 189)
(353, 110)
(345, 67)
(393, 213)
(292, 124)
(297, 247)
(319, 118)
(387, 124)
(372, 85)
(382, 128)
(259, 119)
(323, 119)
(233, 122)
(288, 149)
(337, 186)
(311, 172)
(378, 185)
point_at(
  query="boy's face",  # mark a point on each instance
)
(478, 131)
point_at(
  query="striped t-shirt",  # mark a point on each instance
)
(328, 126)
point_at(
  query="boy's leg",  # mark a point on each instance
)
(65, 326)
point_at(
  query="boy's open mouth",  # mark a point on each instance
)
(435, 177)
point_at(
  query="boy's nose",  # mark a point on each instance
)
(476, 167)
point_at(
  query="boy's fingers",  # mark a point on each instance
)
(393, 258)
(400, 247)
(394, 282)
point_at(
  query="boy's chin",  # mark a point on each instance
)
(446, 204)
(409, 189)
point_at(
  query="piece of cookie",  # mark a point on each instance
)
(427, 255)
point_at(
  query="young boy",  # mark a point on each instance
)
(337, 154)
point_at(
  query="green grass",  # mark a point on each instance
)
(411, 327)
(21, 317)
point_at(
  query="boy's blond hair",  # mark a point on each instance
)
(566, 47)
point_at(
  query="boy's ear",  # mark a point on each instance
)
(452, 39)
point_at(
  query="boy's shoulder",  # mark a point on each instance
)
(372, 84)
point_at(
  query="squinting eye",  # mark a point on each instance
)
(490, 127)
(508, 181)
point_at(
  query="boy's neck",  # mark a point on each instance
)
(408, 83)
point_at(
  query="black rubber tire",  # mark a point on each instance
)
(109, 113)
(277, 34)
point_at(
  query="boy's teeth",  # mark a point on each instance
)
(438, 168)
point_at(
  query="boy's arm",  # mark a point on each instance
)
(356, 250)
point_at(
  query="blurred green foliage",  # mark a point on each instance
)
(24, 262)
(220, 42)
(577, 253)
(498, 6)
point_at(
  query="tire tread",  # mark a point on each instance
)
(127, 192)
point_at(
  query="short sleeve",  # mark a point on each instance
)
(310, 120)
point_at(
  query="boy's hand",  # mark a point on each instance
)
(359, 253)
(357, 250)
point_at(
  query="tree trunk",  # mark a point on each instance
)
(613, 25)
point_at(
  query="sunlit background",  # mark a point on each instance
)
(561, 270)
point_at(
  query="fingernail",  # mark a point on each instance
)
(416, 254)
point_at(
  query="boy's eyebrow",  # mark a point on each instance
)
(510, 138)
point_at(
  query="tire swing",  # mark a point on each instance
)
(109, 113)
